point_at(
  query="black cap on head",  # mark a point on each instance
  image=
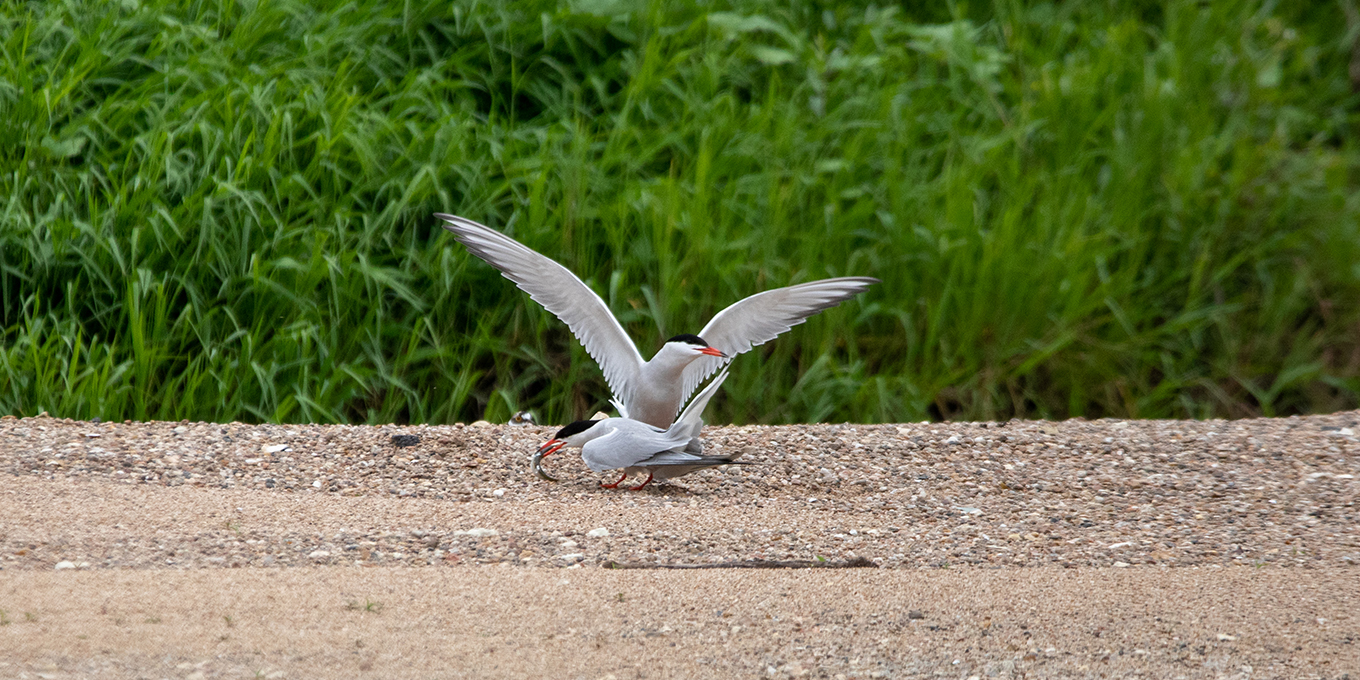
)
(689, 338)
(575, 428)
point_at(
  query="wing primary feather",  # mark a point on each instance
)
(755, 320)
(563, 294)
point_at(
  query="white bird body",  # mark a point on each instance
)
(661, 385)
(650, 391)
(634, 446)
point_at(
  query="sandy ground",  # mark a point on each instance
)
(333, 622)
(1025, 549)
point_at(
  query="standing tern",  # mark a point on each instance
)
(635, 446)
(650, 391)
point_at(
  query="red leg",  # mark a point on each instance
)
(615, 485)
(639, 487)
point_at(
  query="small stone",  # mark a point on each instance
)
(477, 533)
(318, 554)
(915, 614)
(405, 440)
(1224, 637)
(498, 492)
(480, 423)
(181, 429)
(598, 533)
(1121, 564)
(316, 484)
(953, 439)
(274, 448)
(64, 564)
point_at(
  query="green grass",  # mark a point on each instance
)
(221, 210)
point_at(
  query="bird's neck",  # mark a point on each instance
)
(600, 429)
(669, 363)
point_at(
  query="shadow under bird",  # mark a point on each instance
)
(652, 391)
(636, 447)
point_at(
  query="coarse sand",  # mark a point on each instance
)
(390, 622)
(1196, 549)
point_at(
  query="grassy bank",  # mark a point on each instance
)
(221, 211)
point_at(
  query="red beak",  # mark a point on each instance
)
(713, 352)
(548, 449)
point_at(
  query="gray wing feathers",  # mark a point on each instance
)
(678, 458)
(628, 442)
(687, 457)
(758, 319)
(562, 293)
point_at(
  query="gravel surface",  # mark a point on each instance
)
(1076, 493)
(499, 622)
(1214, 549)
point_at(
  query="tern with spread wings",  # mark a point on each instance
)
(651, 392)
(636, 447)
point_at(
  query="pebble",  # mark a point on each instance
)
(597, 533)
(477, 533)
(65, 564)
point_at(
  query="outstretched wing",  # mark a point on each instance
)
(756, 320)
(562, 293)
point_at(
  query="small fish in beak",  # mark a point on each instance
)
(544, 451)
